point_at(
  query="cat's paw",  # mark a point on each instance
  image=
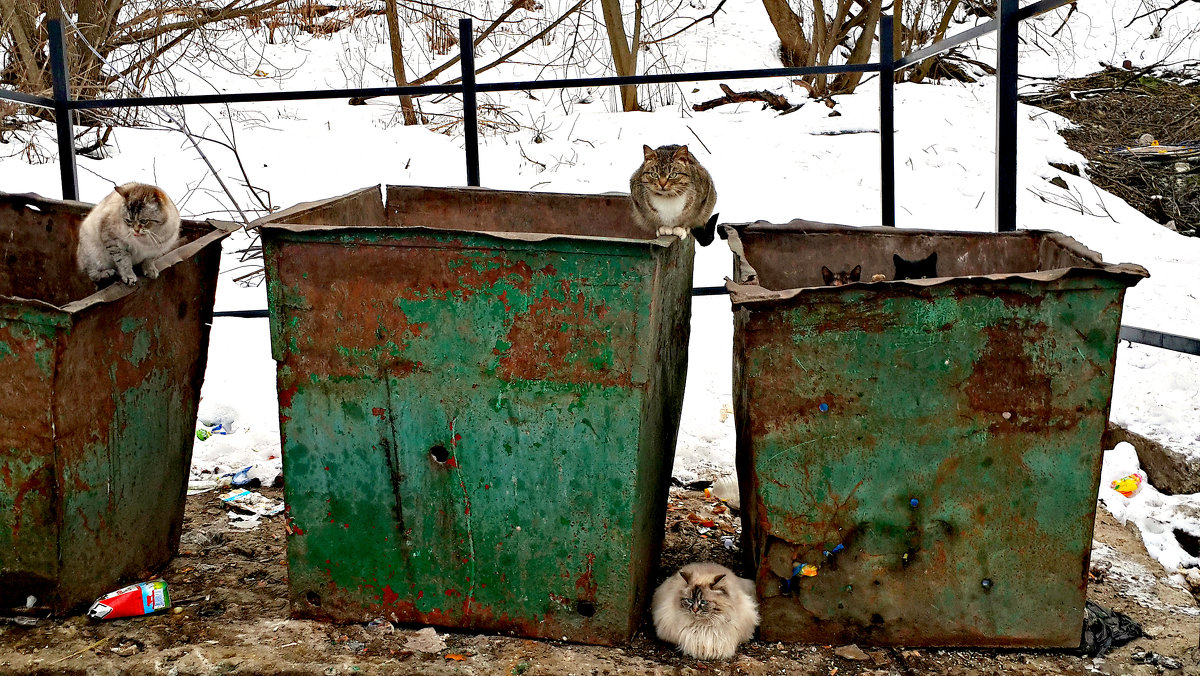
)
(101, 275)
(129, 278)
(664, 230)
(681, 233)
(149, 271)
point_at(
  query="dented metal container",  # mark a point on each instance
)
(919, 460)
(479, 395)
(98, 396)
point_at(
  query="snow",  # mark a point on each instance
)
(765, 166)
(1156, 516)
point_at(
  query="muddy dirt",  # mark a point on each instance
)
(231, 617)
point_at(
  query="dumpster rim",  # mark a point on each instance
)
(219, 230)
(662, 241)
(746, 291)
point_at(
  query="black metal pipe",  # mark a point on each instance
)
(27, 99)
(428, 90)
(1167, 341)
(466, 43)
(974, 32)
(887, 120)
(1006, 116)
(62, 110)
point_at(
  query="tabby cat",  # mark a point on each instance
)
(133, 225)
(674, 194)
(706, 610)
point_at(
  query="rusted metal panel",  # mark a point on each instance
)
(98, 396)
(931, 448)
(478, 427)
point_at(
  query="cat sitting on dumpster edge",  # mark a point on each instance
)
(133, 225)
(674, 194)
(706, 610)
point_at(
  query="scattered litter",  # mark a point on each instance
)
(1129, 485)
(851, 652)
(455, 656)
(725, 489)
(127, 648)
(727, 541)
(250, 502)
(807, 570)
(356, 646)
(242, 477)
(426, 641)
(197, 486)
(142, 598)
(30, 601)
(22, 621)
(1105, 629)
(381, 625)
(1157, 660)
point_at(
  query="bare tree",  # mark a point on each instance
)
(393, 21)
(624, 51)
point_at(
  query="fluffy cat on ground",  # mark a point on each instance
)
(133, 225)
(673, 193)
(706, 610)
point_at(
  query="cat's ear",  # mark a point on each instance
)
(826, 275)
(896, 259)
(856, 273)
(717, 579)
(932, 258)
(682, 154)
(686, 576)
(122, 191)
(648, 152)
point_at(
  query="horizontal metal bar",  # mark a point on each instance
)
(244, 314)
(709, 291)
(949, 43)
(425, 90)
(953, 41)
(1167, 341)
(29, 99)
(262, 97)
(569, 83)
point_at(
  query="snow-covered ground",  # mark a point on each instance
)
(765, 166)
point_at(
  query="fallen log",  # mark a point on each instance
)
(775, 101)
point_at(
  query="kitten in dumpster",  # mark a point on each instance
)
(925, 268)
(706, 610)
(132, 226)
(673, 193)
(842, 278)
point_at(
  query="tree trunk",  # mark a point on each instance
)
(847, 82)
(624, 56)
(793, 45)
(393, 22)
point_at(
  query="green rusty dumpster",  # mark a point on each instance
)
(479, 395)
(919, 460)
(98, 396)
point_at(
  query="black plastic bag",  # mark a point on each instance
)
(1105, 629)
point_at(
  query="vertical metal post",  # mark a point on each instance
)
(887, 119)
(466, 44)
(62, 110)
(1006, 116)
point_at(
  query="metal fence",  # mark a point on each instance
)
(1006, 23)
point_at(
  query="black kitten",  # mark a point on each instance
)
(922, 269)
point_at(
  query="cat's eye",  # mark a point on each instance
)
(685, 602)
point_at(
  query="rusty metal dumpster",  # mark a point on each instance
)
(98, 396)
(919, 460)
(479, 396)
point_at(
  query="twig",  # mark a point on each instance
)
(77, 653)
(668, 37)
(699, 139)
(775, 101)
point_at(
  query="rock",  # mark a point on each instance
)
(1153, 632)
(426, 641)
(1059, 182)
(851, 652)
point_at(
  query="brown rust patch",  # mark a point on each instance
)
(564, 341)
(1006, 368)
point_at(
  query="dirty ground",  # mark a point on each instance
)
(229, 587)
